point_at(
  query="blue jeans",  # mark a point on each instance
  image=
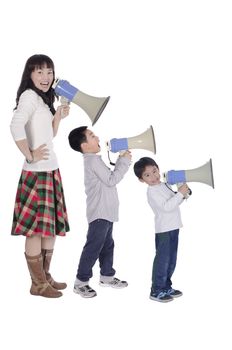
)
(99, 245)
(165, 260)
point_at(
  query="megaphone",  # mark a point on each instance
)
(146, 140)
(202, 174)
(93, 106)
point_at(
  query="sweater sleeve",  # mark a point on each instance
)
(26, 107)
(159, 201)
(108, 177)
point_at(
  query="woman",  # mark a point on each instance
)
(40, 211)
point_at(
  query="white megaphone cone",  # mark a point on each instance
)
(93, 106)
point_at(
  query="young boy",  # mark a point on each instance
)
(165, 205)
(102, 211)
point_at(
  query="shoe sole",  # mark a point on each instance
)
(105, 285)
(177, 296)
(160, 300)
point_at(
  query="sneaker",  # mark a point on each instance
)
(174, 293)
(163, 297)
(114, 283)
(84, 291)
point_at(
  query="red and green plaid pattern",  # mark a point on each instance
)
(40, 206)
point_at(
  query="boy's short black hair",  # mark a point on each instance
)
(141, 164)
(76, 137)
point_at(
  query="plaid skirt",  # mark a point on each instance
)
(40, 206)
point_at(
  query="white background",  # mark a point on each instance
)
(166, 64)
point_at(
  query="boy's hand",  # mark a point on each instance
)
(184, 189)
(126, 154)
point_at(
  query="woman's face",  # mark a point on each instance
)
(42, 78)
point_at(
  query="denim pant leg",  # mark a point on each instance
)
(174, 235)
(161, 262)
(96, 237)
(107, 254)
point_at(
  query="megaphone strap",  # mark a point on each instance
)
(169, 188)
(111, 163)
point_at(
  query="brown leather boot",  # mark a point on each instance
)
(47, 257)
(40, 286)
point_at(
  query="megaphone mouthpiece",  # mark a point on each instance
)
(175, 176)
(63, 88)
(117, 145)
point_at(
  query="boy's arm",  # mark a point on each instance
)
(159, 201)
(108, 177)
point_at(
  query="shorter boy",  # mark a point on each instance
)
(102, 211)
(165, 205)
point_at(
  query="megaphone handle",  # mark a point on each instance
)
(179, 184)
(64, 102)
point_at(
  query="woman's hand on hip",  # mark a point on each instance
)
(40, 153)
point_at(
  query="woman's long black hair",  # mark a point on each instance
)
(34, 62)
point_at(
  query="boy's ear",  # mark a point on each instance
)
(141, 180)
(84, 146)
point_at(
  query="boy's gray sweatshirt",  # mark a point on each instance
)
(100, 187)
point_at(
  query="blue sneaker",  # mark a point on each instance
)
(162, 297)
(174, 293)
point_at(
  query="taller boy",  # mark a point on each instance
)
(102, 211)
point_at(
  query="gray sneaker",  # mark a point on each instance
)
(114, 283)
(84, 291)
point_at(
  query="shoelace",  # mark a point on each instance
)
(115, 281)
(169, 291)
(86, 289)
(161, 294)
